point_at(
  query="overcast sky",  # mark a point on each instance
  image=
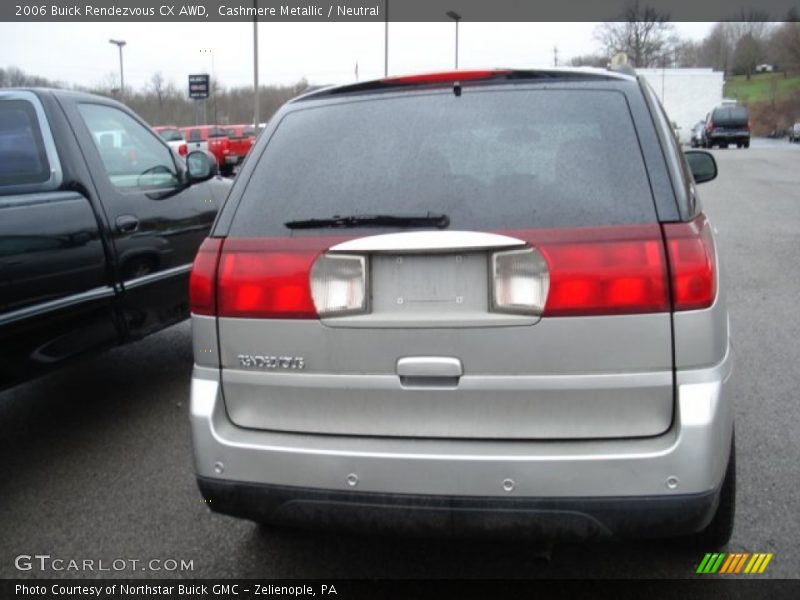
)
(320, 52)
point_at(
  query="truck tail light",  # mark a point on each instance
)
(520, 281)
(338, 284)
(693, 263)
(182, 150)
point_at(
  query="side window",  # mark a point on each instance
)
(195, 135)
(23, 159)
(132, 155)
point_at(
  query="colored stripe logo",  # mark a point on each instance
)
(734, 563)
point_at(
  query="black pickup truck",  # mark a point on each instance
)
(99, 224)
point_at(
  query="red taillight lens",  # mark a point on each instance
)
(710, 126)
(182, 150)
(268, 278)
(446, 77)
(202, 282)
(693, 264)
(612, 270)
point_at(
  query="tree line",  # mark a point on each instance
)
(735, 47)
(162, 102)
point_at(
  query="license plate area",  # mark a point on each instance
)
(449, 289)
(428, 285)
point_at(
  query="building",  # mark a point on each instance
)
(688, 95)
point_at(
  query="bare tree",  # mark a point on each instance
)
(748, 53)
(643, 33)
(157, 87)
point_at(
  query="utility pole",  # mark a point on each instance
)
(256, 100)
(555, 56)
(119, 44)
(386, 43)
(456, 17)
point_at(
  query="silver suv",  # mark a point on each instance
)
(483, 302)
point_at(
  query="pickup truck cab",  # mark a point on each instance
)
(99, 224)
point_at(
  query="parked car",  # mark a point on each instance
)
(213, 139)
(794, 133)
(728, 124)
(174, 138)
(481, 302)
(99, 225)
(698, 134)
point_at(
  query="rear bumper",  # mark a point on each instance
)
(722, 136)
(532, 518)
(656, 486)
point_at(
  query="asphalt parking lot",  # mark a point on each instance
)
(96, 460)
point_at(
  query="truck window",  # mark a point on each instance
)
(23, 158)
(132, 155)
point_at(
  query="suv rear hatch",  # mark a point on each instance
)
(541, 311)
(731, 119)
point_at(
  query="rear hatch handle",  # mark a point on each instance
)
(429, 371)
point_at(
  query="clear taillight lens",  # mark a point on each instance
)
(521, 281)
(338, 285)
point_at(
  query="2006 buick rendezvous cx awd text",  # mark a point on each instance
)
(481, 302)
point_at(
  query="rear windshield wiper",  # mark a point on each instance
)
(429, 220)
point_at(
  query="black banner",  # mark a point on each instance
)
(381, 10)
(252, 589)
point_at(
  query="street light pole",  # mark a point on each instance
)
(213, 80)
(456, 17)
(386, 43)
(256, 102)
(119, 44)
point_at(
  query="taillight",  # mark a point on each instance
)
(202, 282)
(693, 264)
(269, 278)
(710, 126)
(182, 150)
(521, 281)
(338, 284)
(602, 271)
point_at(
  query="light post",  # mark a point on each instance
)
(256, 103)
(119, 44)
(456, 17)
(386, 42)
(213, 85)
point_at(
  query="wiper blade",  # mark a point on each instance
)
(440, 221)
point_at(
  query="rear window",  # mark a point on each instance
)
(171, 135)
(730, 114)
(23, 159)
(195, 135)
(487, 159)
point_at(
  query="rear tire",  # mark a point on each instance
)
(747, 144)
(718, 532)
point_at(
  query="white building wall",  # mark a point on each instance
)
(688, 95)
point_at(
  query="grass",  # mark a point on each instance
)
(761, 87)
